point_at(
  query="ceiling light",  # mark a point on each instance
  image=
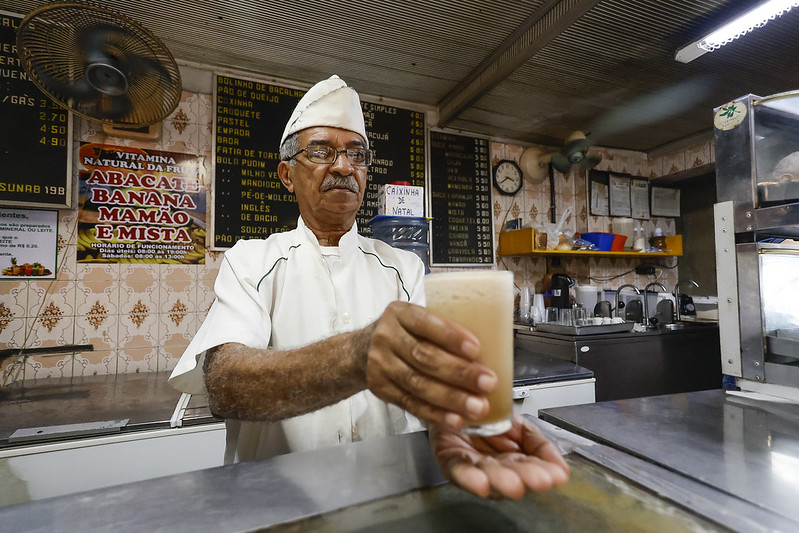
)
(737, 27)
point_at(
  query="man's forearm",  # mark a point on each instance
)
(254, 384)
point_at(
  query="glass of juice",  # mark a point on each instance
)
(482, 302)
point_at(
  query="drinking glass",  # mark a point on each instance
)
(482, 302)
(552, 315)
(566, 318)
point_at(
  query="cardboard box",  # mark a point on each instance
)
(520, 241)
(400, 200)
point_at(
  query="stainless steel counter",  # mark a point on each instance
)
(144, 399)
(393, 485)
(745, 448)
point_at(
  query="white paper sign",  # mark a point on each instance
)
(639, 199)
(619, 188)
(28, 243)
(665, 202)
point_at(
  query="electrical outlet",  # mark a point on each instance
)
(643, 270)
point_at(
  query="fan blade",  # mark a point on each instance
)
(561, 162)
(106, 37)
(137, 65)
(654, 107)
(576, 149)
(113, 107)
(61, 91)
(590, 161)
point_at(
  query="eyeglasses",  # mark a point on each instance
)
(322, 154)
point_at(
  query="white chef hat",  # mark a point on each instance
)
(330, 102)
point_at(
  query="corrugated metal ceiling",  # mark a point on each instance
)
(603, 65)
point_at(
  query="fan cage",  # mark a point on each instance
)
(49, 44)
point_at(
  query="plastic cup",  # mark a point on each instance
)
(552, 315)
(482, 302)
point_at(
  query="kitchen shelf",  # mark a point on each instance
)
(522, 242)
(593, 253)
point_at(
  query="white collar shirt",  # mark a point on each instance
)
(284, 292)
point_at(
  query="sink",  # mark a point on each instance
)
(688, 324)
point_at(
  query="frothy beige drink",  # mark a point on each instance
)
(482, 302)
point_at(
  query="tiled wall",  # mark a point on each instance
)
(532, 205)
(138, 317)
(141, 317)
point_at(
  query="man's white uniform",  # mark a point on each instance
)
(285, 292)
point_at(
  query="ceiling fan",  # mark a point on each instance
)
(534, 161)
(99, 64)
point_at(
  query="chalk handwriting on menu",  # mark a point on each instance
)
(34, 153)
(249, 199)
(460, 200)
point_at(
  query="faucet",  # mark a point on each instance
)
(677, 295)
(618, 293)
(646, 300)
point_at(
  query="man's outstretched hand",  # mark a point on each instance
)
(503, 466)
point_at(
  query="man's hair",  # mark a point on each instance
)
(290, 147)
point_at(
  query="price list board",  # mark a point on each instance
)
(35, 133)
(249, 199)
(460, 201)
(397, 137)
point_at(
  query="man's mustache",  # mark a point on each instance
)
(333, 182)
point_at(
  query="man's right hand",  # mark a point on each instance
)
(427, 365)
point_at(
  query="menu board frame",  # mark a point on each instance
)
(34, 115)
(269, 153)
(399, 143)
(476, 230)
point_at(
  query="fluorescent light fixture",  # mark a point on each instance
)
(738, 27)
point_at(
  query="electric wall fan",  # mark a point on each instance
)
(534, 161)
(99, 64)
(575, 152)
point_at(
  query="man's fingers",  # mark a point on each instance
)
(540, 475)
(422, 363)
(471, 479)
(510, 477)
(451, 337)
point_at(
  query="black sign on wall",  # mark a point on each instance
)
(460, 200)
(249, 202)
(397, 137)
(249, 199)
(35, 134)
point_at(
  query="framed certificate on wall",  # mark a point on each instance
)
(665, 202)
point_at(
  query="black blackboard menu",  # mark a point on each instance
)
(397, 137)
(249, 202)
(249, 199)
(460, 200)
(35, 134)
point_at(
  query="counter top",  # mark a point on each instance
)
(393, 485)
(695, 327)
(145, 399)
(744, 447)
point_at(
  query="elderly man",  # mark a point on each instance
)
(318, 337)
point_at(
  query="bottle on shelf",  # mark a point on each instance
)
(658, 240)
(639, 240)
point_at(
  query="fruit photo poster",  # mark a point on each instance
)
(28, 243)
(140, 206)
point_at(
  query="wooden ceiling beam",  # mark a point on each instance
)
(546, 23)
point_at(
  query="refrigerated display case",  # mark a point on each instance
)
(757, 241)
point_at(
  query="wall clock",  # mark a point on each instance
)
(507, 177)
